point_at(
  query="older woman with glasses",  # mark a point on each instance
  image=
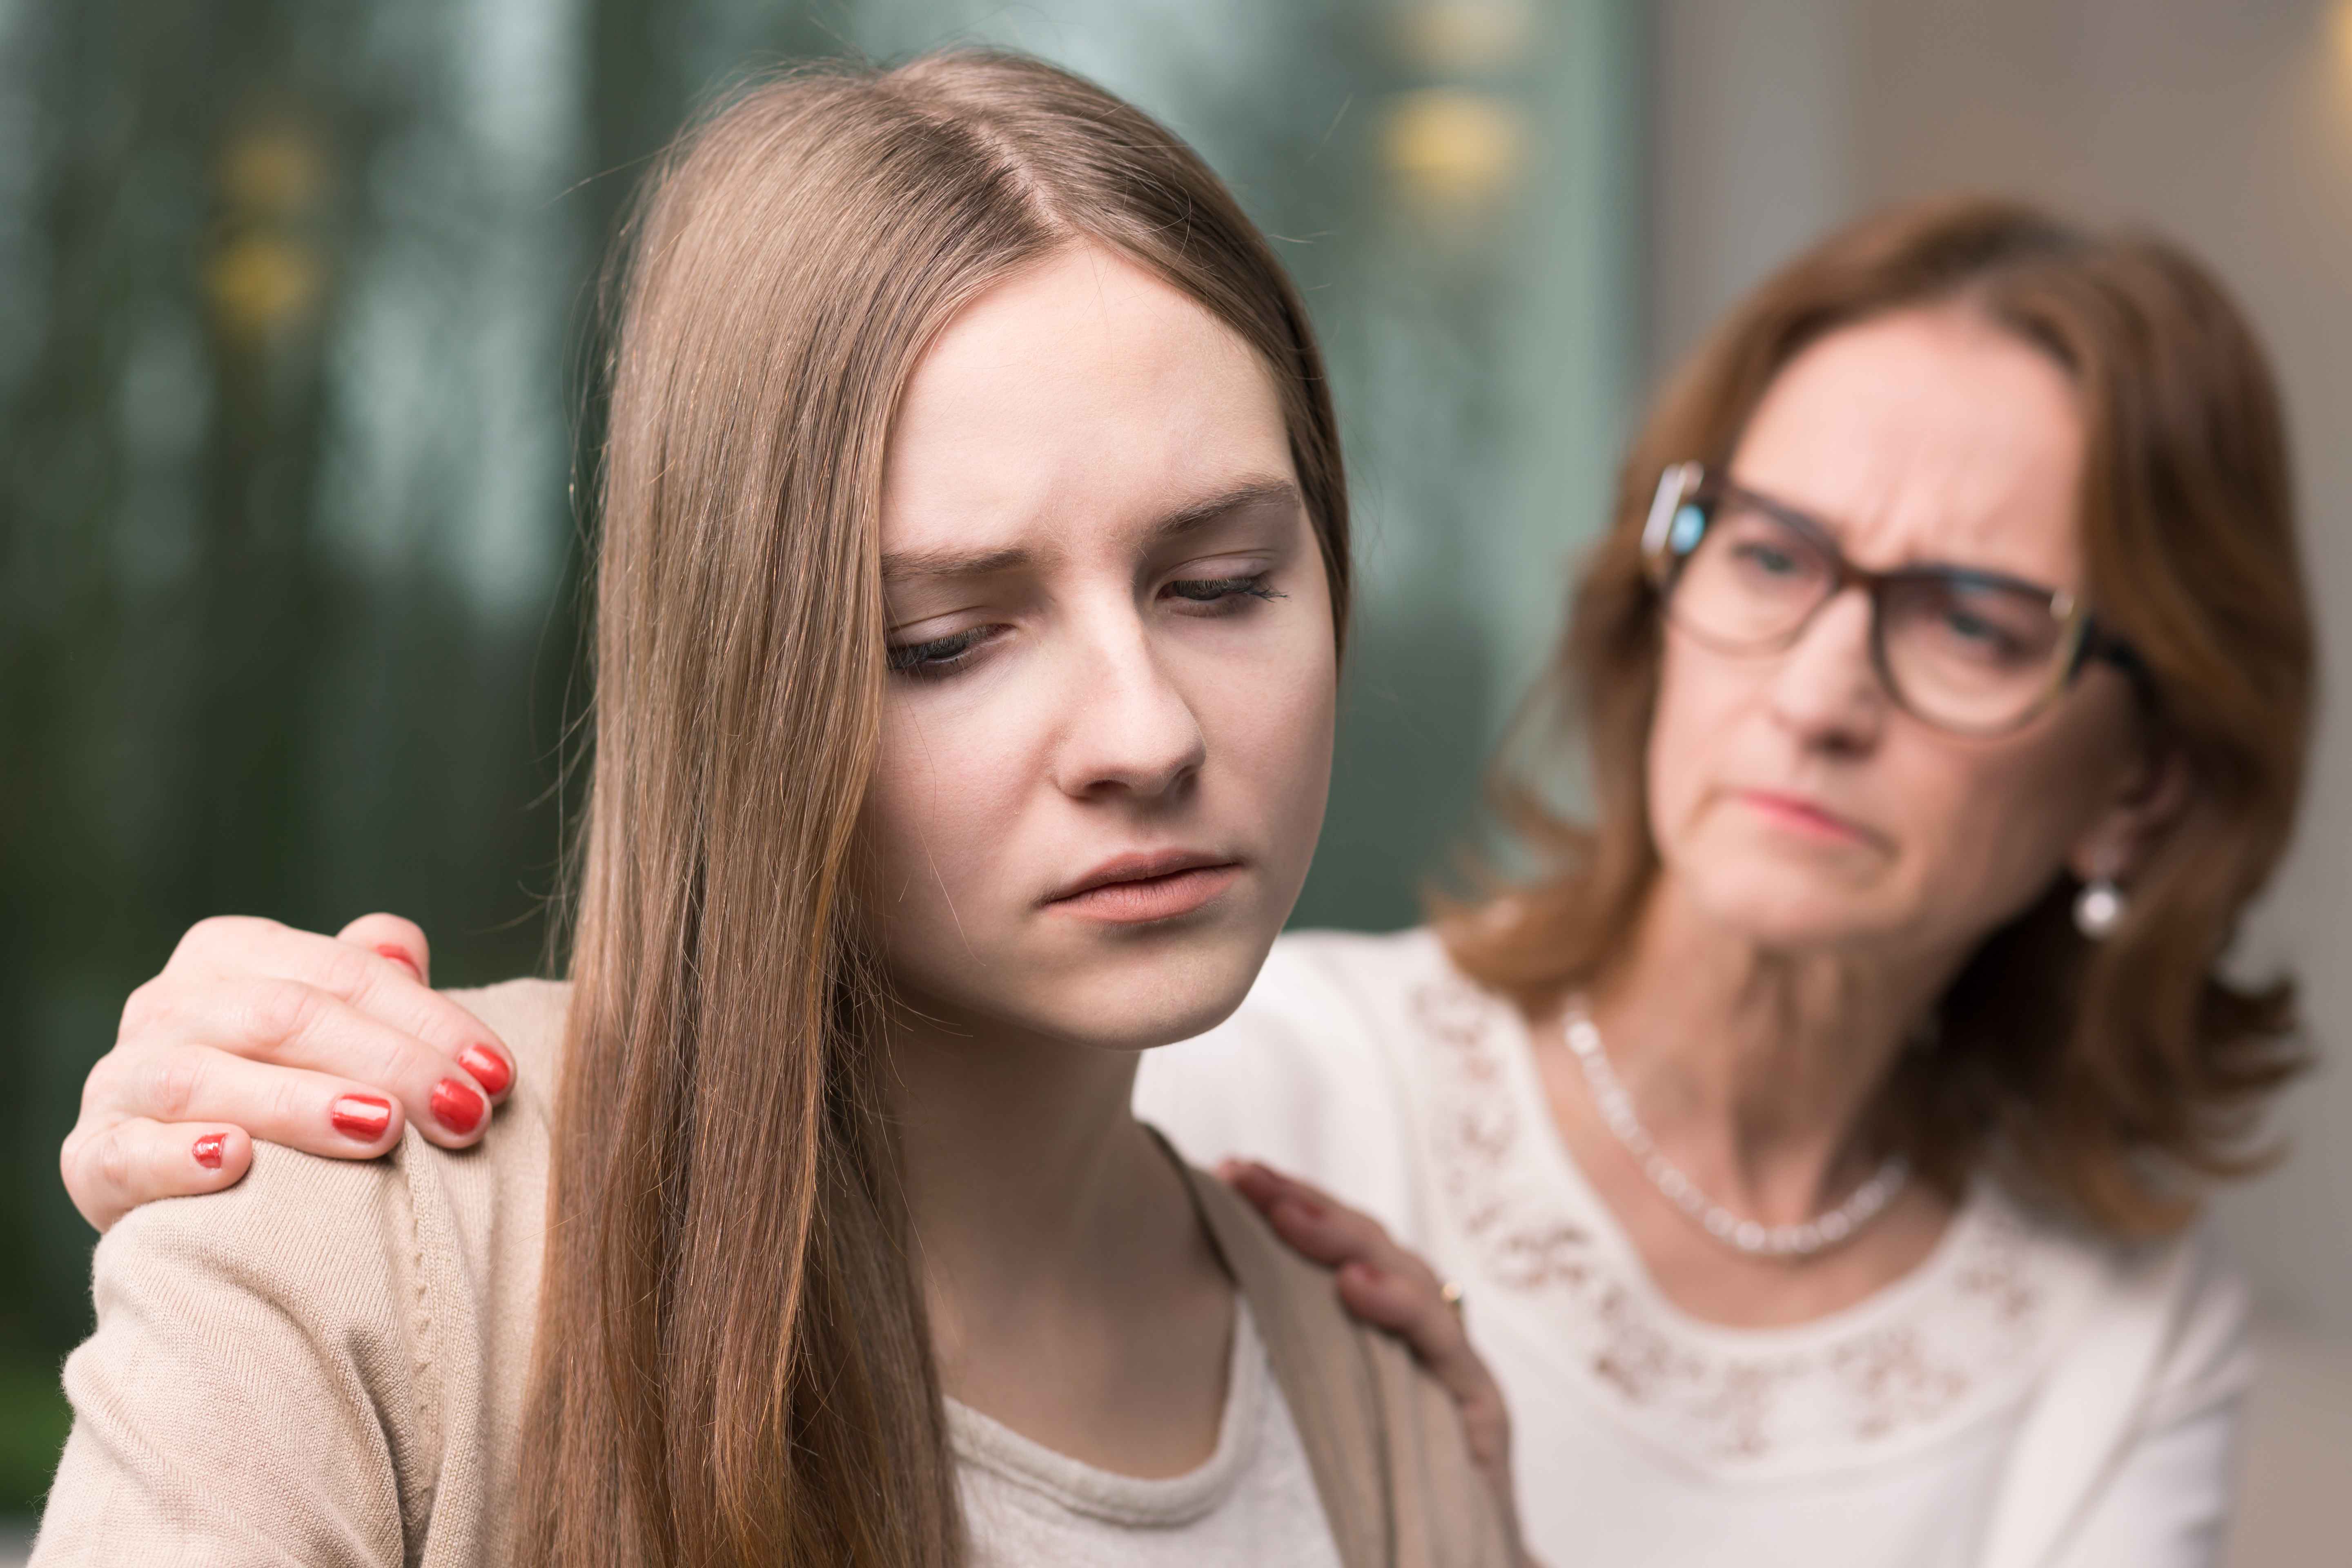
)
(1815, 1140)
(1811, 1147)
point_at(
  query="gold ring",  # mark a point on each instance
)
(1451, 1294)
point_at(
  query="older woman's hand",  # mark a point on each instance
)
(255, 1030)
(1391, 1287)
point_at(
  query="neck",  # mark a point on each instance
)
(1029, 1182)
(1756, 1069)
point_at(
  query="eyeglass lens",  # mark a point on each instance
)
(1960, 651)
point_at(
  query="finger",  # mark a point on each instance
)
(137, 1161)
(1380, 1281)
(1409, 1305)
(241, 949)
(1315, 1223)
(271, 1056)
(389, 936)
(317, 1113)
(282, 1024)
(422, 1010)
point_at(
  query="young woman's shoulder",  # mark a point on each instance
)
(527, 1016)
(326, 1361)
(1382, 1437)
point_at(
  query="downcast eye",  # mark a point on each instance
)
(940, 656)
(1219, 590)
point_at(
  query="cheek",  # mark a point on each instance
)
(946, 789)
(1699, 699)
(1987, 830)
(1273, 728)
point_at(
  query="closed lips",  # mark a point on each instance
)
(1131, 869)
(1137, 888)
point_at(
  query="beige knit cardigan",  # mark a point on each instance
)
(326, 1364)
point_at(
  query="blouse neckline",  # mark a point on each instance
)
(1958, 1340)
(1551, 1151)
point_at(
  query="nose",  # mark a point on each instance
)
(1827, 689)
(1130, 730)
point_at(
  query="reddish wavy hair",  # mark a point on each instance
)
(2105, 1072)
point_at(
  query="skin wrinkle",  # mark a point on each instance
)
(902, 567)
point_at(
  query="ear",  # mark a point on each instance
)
(2116, 841)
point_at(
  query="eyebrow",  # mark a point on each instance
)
(1834, 536)
(910, 565)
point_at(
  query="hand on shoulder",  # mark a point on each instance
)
(257, 1031)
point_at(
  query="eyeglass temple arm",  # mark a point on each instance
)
(1674, 487)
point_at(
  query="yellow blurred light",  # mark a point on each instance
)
(1453, 148)
(260, 285)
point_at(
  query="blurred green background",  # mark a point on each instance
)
(292, 315)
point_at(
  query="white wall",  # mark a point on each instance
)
(2228, 126)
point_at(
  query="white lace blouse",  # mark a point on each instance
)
(2028, 1397)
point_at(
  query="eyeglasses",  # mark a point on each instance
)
(1976, 653)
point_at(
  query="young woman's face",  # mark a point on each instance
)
(1107, 736)
(1790, 797)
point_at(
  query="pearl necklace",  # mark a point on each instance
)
(1757, 1240)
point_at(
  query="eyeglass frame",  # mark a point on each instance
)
(2079, 631)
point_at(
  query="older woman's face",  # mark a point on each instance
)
(1792, 799)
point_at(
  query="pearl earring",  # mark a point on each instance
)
(2099, 908)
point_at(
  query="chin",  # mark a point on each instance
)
(1151, 994)
(1785, 909)
(1114, 989)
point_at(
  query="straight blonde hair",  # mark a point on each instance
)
(732, 1365)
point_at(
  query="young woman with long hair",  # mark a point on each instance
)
(972, 574)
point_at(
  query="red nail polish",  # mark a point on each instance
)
(456, 1107)
(387, 950)
(360, 1116)
(209, 1151)
(488, 1068)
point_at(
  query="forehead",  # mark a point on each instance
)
(1926, 435)
(1080, 394)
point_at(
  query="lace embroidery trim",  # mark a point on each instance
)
(1951, 1353)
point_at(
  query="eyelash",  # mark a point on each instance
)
(943, 657)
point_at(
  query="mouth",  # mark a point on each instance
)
(1129, 889)
(1806, 819)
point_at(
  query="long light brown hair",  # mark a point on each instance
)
(731, 1364)
(2110, 1068)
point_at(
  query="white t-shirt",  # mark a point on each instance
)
(2029, 1396)
(1252, 1505)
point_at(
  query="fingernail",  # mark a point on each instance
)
(360, 1116)
(387, 950)
(455, 1106)
(209, 1151)
(488, 1068)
